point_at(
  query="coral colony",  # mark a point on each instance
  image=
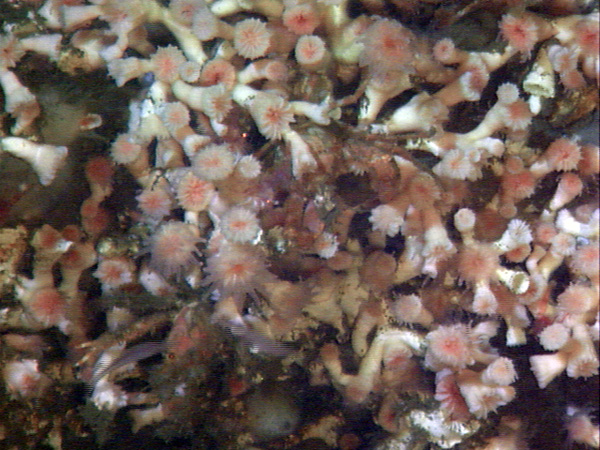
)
(255, 224)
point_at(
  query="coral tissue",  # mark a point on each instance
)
(388, 206)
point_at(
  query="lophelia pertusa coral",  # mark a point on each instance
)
(364, 214)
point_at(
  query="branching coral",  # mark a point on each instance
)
(331, 197)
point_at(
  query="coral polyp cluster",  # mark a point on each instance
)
(299, 224)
